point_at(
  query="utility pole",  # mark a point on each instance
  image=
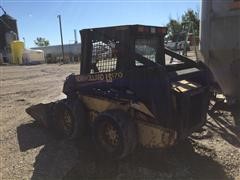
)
(75, 36)
(60, 26)
(24, 41)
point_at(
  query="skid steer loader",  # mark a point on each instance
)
(127, 93)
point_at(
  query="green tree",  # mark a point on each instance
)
(174, 28)
(190, 21)
(41, 42)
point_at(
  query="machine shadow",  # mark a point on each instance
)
(55, 158)
(60, 159)
(226, 122)
(31, 136)
(179, 162)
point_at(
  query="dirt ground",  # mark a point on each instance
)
(30, 152)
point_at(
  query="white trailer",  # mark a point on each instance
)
(33, 56)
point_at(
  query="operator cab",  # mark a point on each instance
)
(121, 48)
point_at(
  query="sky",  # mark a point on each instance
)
(36, 18)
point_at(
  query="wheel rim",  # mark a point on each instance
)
(110, 135)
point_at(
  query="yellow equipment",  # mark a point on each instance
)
(17, 48)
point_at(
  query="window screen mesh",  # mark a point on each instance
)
(104, 56)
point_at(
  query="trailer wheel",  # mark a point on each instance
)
(114, 134)
(70, 118)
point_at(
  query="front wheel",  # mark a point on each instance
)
(70, 118)
(114, 134)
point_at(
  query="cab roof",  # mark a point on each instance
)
(136, 27)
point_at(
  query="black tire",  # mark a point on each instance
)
(76, 112)
(125, 129)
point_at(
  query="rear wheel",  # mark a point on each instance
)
(70, 118)
(114, 134)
